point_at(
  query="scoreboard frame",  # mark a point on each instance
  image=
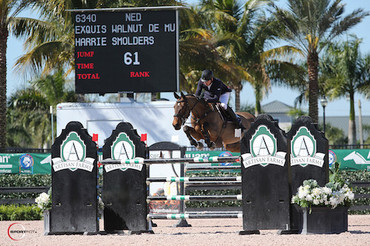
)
(126, 49)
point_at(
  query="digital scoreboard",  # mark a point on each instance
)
(126, 51)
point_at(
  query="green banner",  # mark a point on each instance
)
(25, 163)
(39, 163)
(351, 159)
(207, 154)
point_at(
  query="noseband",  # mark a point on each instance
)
(184, 116)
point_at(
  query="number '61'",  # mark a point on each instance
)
(131, 59)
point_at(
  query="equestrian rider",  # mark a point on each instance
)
(216, 91)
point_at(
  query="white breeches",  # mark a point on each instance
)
(224, 99)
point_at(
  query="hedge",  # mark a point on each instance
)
(20, 212)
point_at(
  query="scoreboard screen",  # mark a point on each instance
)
(126, 51)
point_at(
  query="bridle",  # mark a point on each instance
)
(186, 114)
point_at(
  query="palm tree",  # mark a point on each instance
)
(309, 25)
(29, 109)
(346, 73)
(233, 25)
(243, 37)
(9, 9)
(267, 65)
(196, 49)
(50, 39)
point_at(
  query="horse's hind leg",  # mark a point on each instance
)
(190, 133)
(233, 147)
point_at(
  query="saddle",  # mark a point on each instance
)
(225, 116)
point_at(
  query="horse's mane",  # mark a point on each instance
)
(197, 97)
(200, 99)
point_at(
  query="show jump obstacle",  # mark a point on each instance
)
(273, 164)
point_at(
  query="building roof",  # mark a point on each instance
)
(276, 107)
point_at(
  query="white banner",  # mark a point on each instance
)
(59, 164)
(316, 160)
(278, 159)
(111, 167)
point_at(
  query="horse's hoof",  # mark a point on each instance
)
(200, 146)
(212, 146)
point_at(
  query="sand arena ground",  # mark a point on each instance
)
(209, 232)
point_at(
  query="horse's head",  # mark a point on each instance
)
(182, 111)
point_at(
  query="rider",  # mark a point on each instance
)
(216, 91)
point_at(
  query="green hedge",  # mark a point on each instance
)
(20, 212)
(23, 180)
(358, 176)
(349, 176)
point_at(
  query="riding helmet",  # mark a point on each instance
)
(206, 75)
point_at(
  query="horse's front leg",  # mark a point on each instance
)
(207, 138)
(190, 133)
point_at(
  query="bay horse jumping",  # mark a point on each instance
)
(207, 123)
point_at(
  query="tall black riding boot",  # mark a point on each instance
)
(235, 118)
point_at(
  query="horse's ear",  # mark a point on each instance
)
(176, 96)
(183, 96)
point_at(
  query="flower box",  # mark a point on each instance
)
(324, 220)
(322, 209)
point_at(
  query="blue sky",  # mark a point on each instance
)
(338, 107)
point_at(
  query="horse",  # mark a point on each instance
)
(207, 123)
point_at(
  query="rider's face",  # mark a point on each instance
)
(208, 82)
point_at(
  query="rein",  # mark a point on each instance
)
(183, 117)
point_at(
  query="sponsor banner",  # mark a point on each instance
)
(25, 163)
(208, 154)
(351, 159)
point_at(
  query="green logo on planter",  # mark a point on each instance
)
(303, 149)
(263, 150)
(73, 155)
(122, 149)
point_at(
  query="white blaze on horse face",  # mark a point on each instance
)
(176, 123)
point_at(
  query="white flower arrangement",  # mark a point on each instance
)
(333, 194)
(44, 201)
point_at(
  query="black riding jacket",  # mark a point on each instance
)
(212, 94)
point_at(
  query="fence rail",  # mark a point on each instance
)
(10, 190)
